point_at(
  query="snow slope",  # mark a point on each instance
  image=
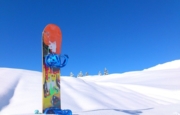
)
(153, 91)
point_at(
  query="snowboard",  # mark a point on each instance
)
(51, 64)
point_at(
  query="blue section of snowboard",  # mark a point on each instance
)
(54, 60)
(56, 111)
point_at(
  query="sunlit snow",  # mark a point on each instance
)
(153, 91)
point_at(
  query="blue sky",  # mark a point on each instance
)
(121, 35)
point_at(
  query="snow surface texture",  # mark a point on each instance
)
(153, 91)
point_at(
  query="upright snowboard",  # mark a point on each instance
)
(51, 47)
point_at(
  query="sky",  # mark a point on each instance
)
(120, 35)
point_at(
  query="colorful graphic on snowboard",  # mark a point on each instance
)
(51, 43)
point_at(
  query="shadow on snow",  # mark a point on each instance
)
(130, 112)
(5, 98)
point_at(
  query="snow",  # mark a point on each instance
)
(153, 91)
(169, 65)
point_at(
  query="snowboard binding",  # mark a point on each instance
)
(53, 60)
(56, 111)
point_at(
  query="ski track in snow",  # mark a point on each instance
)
(153, 91)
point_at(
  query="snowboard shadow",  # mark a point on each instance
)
(130, 112)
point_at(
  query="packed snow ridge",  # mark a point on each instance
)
(153, 91)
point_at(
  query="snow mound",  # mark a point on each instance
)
(168, 65)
